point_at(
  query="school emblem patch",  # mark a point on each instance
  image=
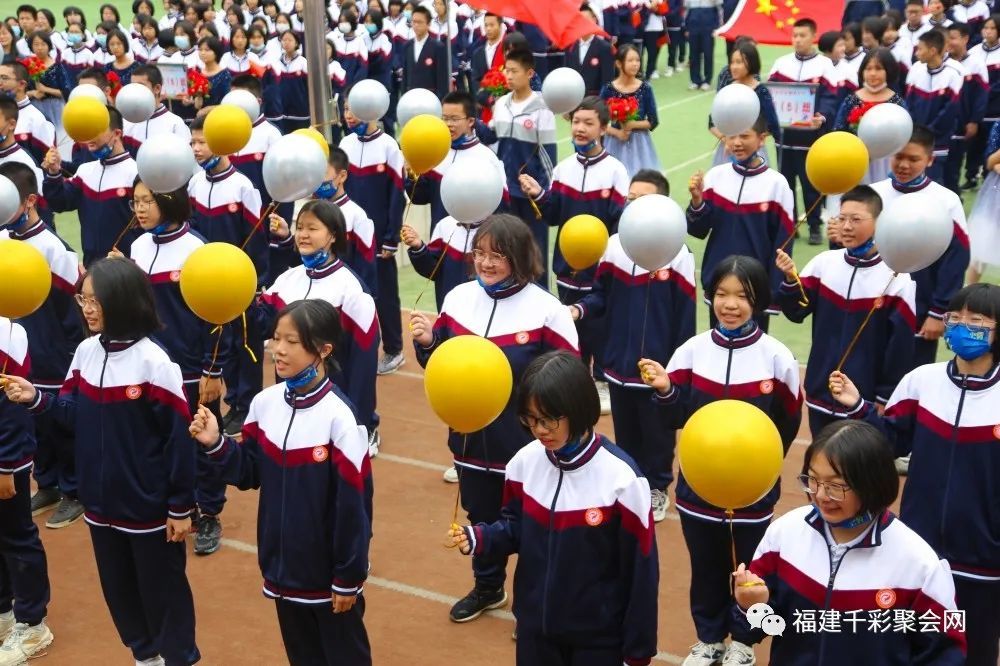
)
(320, 453)
(133, 392)
(429, 61)
(522, 338)
(22, 137)
(594, 62)
(766, 387)
(663, 274)
(175, 276)
(380, 168)
(996, 432)
(885, 598)
(605, 194)
(233, 207)
(258, 156)
(593, 517)
(529, 124)
(121, 191)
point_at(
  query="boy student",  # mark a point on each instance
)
(226, 208)
(933, 89)
(935, 16)
(100, 191)
(914, 26)
(842, 287)
(11, 151)
(526, 138)
(805, 65)
(590, 182)
(972, 102)
(376, 185)
(424, 59)
(33, 132)
(593, 58)
(973, 13)
(939, 282)
(744, 208)
(162, 121)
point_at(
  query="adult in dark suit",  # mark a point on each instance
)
(425, 59)
(490, 54)
(597, 64)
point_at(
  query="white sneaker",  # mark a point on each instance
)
(7, 623)
(669, 71)
(705, 654)
(605, 396)
(374, 442)
(450, 475)
(654, 75)
(390, 363)
(706, 87)
(692, 86)
(681, 65)
(25, 642)
(152, 661)
(660, 505)
(738, 654)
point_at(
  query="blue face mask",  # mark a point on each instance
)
(303, 378)
(407, 14)
(492, 289)
(585, 148)
(860, 251)
(102, 153)
(860, 519)
(315, 260)
(361, 129)
(967, 344)
(326, 190)
(102, 40)
(16, 29)
(459, 142)
(371, 28)
(18, 222)
(73, 39)
(182, 42)
(210, 163)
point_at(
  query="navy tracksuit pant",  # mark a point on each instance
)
(793, 167)
(482, 498)
(533, 649)
(387, 305)
(24, 574)
(244, 377)
(641, 430)
(981, 602)
(210, 493)
(55, 461)
(316, 636)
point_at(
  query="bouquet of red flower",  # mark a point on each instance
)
(198, 85)
(495, 82)
(114, 84)
(35, 67)
(854, 117)
(623, 109)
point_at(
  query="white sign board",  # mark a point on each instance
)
(794, 102)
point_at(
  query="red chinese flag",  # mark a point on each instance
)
(560, 20)
(770, 21)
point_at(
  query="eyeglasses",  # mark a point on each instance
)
(454, 119)
(86, 301)
(136, 204)
(482, 255)
(547, 423)
(835, 491)
(855, 220)
(975, 323)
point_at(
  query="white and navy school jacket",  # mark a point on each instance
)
(902, 53)
(629, 297)
(76, 60)
(745, 211)
(17, 153)
(975, 91)
(292, 84)
(841, 291)
(936, 284)
(973, 14)
(932, 98)
(525, 321)
(352, 54)
(357, 351)
(309, 458)
(583, 185)
(144, 52)
(949, 422)
(816, 69)
(17, 430)
(889, 570)
(239, 64)
(376, 183)
(163, 121)
(753, 368)
(250, 159)
(847, 70)
(990, 57)
(380, 59)
(455, 240)
(360, 255)
(100, 192)
(125, 401)
(564, 517)
(526, 135)
(33, 131)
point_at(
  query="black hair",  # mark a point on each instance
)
(24, 9)
(751, 56)
(523, 57)
(885, 58)
(42, 35)
(330, 215)
(95, 73)
(238, 13)
(137, 4)
(20, 71)
(585, 7)
(865, 195)
(828, 40)
(317, 323)
(924, 137)
(214, 44)
(806, 23)
(209, 30)
(338, 159)
(853, 30)
(862, 457)
(655, 178)
(893, 19)
(8, 108)
(126, 298)
(995, 19)
(515, 41)
(247, 82)
(511, 237)
(120, 36)
(426, 13)
(752, 276)
(915, 2)
(623, 52)
(294, 35)
(23, 178)
(114, 10)
(174, 206)
(151, 72)
(960, 28)
(561, 386)
(114, 118)
(933, 39)
(463, 98)
(49, 16)
(107, 27)
(491, 14)
(876, 25)
(198, 123)
(165, 38)
(146, 21)
(377, 18)
(187, 29)
(596, 104)
(246, 36)
(982, 299)
(200, 8)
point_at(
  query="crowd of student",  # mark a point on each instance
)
(121, 420)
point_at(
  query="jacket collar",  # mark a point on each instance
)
(737, 343)
(591, 161)
(973, 382)
(582, 457)
(30, 232)
(906, 188)
(222, 175)
(806, 57)
(113, 346)
(13, 148)
(116, 159)
(160, 111)
(750, 171)
(863, 262)
(505, 293)
(297, 400)
(470, 142)
(371, 137)
(873, 537)
(325, 271)
(162, 239)
(342, 199)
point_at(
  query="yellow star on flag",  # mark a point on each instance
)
(779, 24)
(765, 7)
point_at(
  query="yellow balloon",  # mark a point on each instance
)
(730, 453)
(218, 282)
(27, 276)
(582, 241)
(227, 129)
(317, 136)
(836, 162)
(84, 118)
(425, 141)
(468, 381)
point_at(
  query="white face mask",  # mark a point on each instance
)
(344, 28)
(281, 28)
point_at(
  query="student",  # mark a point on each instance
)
(321, 239)
(805, 65)
(122, 63)
(914, 26)
(488, 57)
(146, 46)
(744, 68)
(455, 241)
(988, 53)
(841, 287)
(606, 560)
(932, 97)
(936, 16)
(34, 132)
(702, 20)
(226, 208)
(210, 52)
(376, 185)
(124, 398)
(424, 61)
(12, 152)
(939, 282)
(735, 359)
(290, 72)
(832, 553)
(972, 102)
(592, 58)
(849, 66)
(984, 222)
(949, 484)
(99, 192)
(312, 491)
(54, 331)
(631, 141)
(676, 36)
(506, 306)
(351, 49)
(744, 207)
(163, 121)
(973, 13)
(619, 299)
(77, 57)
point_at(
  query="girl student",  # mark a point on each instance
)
(630, 141)
(124, 398)
(304, 450)
(984, 220)
(577, 512)
(945, 414)
(845, 555)
(733, 360)
(290, 70)
(505, 306)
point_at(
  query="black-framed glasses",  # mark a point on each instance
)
(548, 423)
(136, 204)
(835, 491)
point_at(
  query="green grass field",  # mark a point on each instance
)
(684, 146)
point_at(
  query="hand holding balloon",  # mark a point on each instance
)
(279, 227)
(458, 538)
(204, 428)
(696, 186)
(115, 254)
(932, 329)
(654, 375)
(574, 312)
(529, 185)
(18, 389)
(410, 237)
(421, 329)
(750, 588)
(52, 163)
(843, 389)
(786, 266)
(833, 230)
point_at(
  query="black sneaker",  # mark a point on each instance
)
(209, 535)
(970, 184)
(235, 425)
(476, 603)
(44, 499)
(68, 512)
(815, 237)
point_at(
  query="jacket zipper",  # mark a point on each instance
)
(281, 531)
(482, 433)
(100, 411)
(548, 555)
(951, 461)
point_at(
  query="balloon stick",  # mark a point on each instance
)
(857, 334)
(798, 224)
(645, 312)
(534, 206)
(430, 278)
(215, 350)
(458, 492)
(123, 232)
(271, 207)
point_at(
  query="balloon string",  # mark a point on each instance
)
(732, 549)
(271, 207)
(409, 200)
(121, 235)
(520, 170)
(798, 224)
(458, 491)
(804, 301)
(215, 351)
(246, 346)
(430, 278)
(645, 313)
(875, 306)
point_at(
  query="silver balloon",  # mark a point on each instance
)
(735, 109)
(885, 129)
(416, 102)
(245, 100)
(293, 168)
(135, 102)
(88, 90)
(563, 90)
(369, 100)
(165, 162)
(10, 200)
(652, 231)
(913, 232)
(472, 193)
